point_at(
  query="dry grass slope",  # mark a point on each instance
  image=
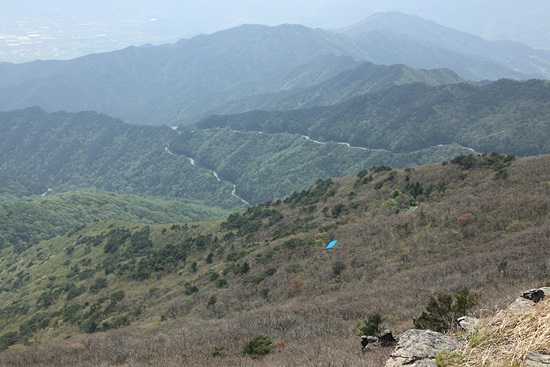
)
(404, 235)
(505, 338)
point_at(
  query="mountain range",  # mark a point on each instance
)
(182, 82)
(400, 38)
(188, 190)
(229, 161)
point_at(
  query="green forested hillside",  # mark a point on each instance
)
(269, 166)
(477, 222)
(262, 155)
(24, 223)
(366, 78)
(505, 116)
(64, 151)
(13, 188)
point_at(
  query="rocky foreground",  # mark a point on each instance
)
(516, 336)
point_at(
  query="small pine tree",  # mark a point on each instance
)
(464, 301)
(371, 325)
(437, 316)
(259, 346)
(443, 310)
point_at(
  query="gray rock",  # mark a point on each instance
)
(372, 339)
(521, 305)
(366, 340)
(399, 361)
(418, 348)
(533, 359)
(467, 323)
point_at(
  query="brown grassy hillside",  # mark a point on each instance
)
(404, 235)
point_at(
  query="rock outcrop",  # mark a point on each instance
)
(418, 348)
(528, 299)
(533, 359)
(384, 339)
(467, 323)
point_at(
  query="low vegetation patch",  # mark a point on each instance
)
(259, 346)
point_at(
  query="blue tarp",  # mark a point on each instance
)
(331, 244)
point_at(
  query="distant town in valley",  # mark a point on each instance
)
(62, 38)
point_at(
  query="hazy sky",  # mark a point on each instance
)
(208, 15)
(125, 22)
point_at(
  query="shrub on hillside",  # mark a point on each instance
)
(443, 310)
(464, 219)
(338, 267)
(98, 285)
(371, 325)
(259, 346)
(495, 160)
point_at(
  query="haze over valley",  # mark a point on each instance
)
(58, 29)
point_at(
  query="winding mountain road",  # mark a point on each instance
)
(348, 145)
(214, 173)
(308, 138)
(166, 149)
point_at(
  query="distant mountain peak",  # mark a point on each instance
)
(392, 20)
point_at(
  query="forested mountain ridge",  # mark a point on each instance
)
(394, 37)
(99, 218)
(363, 79)
(66, 151)
(268, 155)
(16, 188)
(506, 116)
(476, 222)
(190, 79)
(267, 166)
(182, 80)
